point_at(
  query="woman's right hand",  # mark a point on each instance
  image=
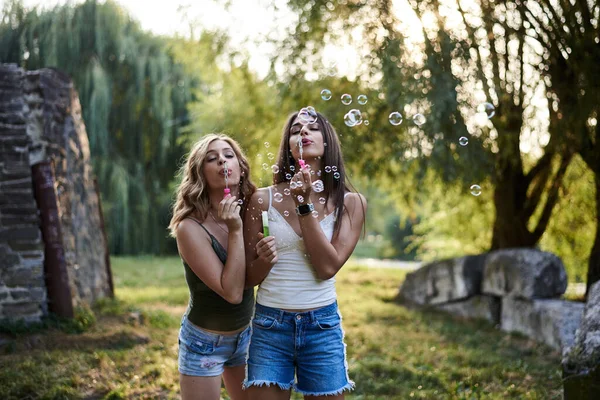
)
(229, 212)
(266, 250)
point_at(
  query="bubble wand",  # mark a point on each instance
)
(226, 191)
(300, 161)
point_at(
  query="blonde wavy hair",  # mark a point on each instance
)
(192, 193)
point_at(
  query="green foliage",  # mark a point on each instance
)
(133, 95)
(571, 231)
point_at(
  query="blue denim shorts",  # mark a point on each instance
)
(306, 345)
(203, 353)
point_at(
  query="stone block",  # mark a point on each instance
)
(581, 365)
(550, 321)
(476, 307)
(443, 281)
(525, 273)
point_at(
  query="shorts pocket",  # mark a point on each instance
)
(263, 322)
(329, 322)
(194, 342)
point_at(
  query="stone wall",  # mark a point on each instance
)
(518, 290)
(40, 120)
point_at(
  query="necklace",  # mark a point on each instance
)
(219, 225)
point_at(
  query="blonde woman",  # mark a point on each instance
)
(207, 224)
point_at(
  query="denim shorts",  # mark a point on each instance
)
(203, 353)
(306, 345)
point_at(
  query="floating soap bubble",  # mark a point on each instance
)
(322, 200)
(318, 186)
(307, 115)
(315, 214)
(346, 99)
(267, 144)
(326, 94)
(286, 213)
(275, 168)
(366, 122)
(288, 176)
(265, 166)
(463, 141)
(278, 197)
(292, 168)
(353, 118)
(286, 191)
(488, 109)
(240, 201)
(419, 119)
(475, 190)
(334, 168)
(300, 198)
(362, 99)
(336, 175)
(270, 156)
(327, 169)
(395, 118)
(260, 200)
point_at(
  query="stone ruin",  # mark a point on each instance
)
(53, 247)
(518, 290)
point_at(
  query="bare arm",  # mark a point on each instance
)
(195, 248)
(326, 257)
(261, 253)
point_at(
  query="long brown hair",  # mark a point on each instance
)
(192, 193)
(332, 156)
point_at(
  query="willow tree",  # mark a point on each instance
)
(133, 96)
(462, 58)
(569, 35)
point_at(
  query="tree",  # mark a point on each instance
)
(485, 51)
(133, 95)
(569, 34)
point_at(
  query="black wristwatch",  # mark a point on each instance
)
(305, 209)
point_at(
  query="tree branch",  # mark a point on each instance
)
(552, 197)
(533, 200)
(480, 70)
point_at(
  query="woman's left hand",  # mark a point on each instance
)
(303, 187)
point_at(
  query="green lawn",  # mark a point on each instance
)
(128, 347)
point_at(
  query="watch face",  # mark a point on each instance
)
(304, 209)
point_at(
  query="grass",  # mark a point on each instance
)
(128, 349)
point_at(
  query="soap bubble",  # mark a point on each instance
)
(395, 118)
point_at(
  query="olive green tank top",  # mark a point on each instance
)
(209, 310)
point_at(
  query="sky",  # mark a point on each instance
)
(246, 21)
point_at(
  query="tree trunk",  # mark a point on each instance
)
(593, 274)
(510, 228)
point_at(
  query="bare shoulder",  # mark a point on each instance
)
(353, 200)
(188, 228)
(260, 197)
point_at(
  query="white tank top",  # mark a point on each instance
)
(292, 282)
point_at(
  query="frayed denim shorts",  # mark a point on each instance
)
(203, 353)
(306, 345)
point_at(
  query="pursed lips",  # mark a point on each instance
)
(224, 171)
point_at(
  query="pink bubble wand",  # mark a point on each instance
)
(301, 161)
(226, 191)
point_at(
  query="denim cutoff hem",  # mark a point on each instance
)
(203, 353)
(300, 350)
